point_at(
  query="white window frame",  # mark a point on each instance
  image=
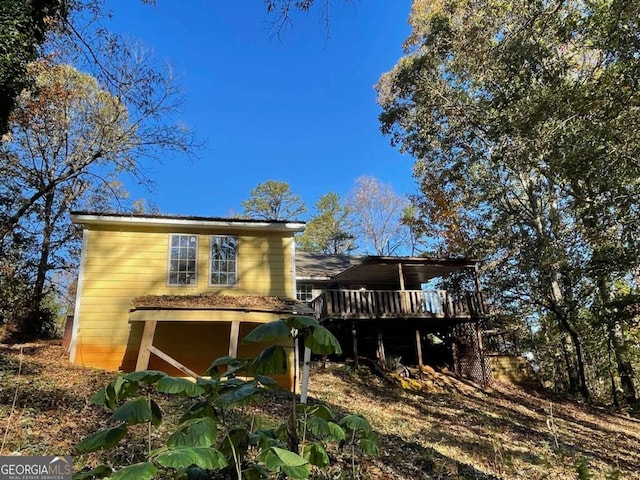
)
(308, 291)
(170, 258)
(212, 238)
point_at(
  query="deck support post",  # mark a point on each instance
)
(233, 339)
(419, 350)
(354, 337)
(147, 341)
(382, 358)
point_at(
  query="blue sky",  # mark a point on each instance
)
(300, 109)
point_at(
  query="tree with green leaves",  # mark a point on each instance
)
(329, 230)
(23, 28)
(273, 200)
(69, 145)
(520, 116)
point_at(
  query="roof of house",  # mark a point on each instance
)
(375, 269)
(415, 270)
(321, 266)
(181, 221)
(219, 302)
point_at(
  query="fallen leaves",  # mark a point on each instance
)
(456, 430)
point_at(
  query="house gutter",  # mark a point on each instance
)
(184, 222)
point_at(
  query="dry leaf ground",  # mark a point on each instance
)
(464, 432)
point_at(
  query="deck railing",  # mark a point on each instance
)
(398, 304)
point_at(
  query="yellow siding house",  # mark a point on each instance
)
(173, 293)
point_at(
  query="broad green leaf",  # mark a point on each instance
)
(109, 395)
(319, 410)
(300, 471)
(233, 366)
(318, 426)
(200, 409)
(208, 385)
(355, 423)
(123, 388)
(238, 395)
(322, 342)
(278, 459)
(288, 458)
(180, 386)
(101, 471)
(369, 446)
(100, 398)
(265, 439)
(316, 454)
(266, 381)
(102, 439)
(267, 332)
(183, 457)
(301, 321)
(145, 376)
(272, 360)
(138, 410)
(227, 360)
(139, 471)
(197, 432)
(156, 413)
(336, 431)
(233, 382)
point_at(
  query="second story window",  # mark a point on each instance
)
(224, 261)
(182, 260)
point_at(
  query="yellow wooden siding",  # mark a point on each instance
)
(119, 266)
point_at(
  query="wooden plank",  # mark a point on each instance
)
(419, 349)
(172, 361)
(233, 339)
(382, 358)
(354, 336)
(145, 345)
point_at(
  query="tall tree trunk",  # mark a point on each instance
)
(625, 367)
(614, 389)
(577, 344)
(619, 344)
(37, 297)
(572, 373)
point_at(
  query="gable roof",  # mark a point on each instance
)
(182, 221)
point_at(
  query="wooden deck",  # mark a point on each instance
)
(373, 304)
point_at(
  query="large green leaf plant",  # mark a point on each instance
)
(206, 440)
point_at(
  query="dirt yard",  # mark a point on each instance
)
(462, 432)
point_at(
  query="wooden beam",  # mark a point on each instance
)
(354, 337)
(147, 341)
(382, 358)
(419, 350)
(476, 278)
(233, 339)
(172, 361)
(404, 305)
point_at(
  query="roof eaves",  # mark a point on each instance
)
(88, 218)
